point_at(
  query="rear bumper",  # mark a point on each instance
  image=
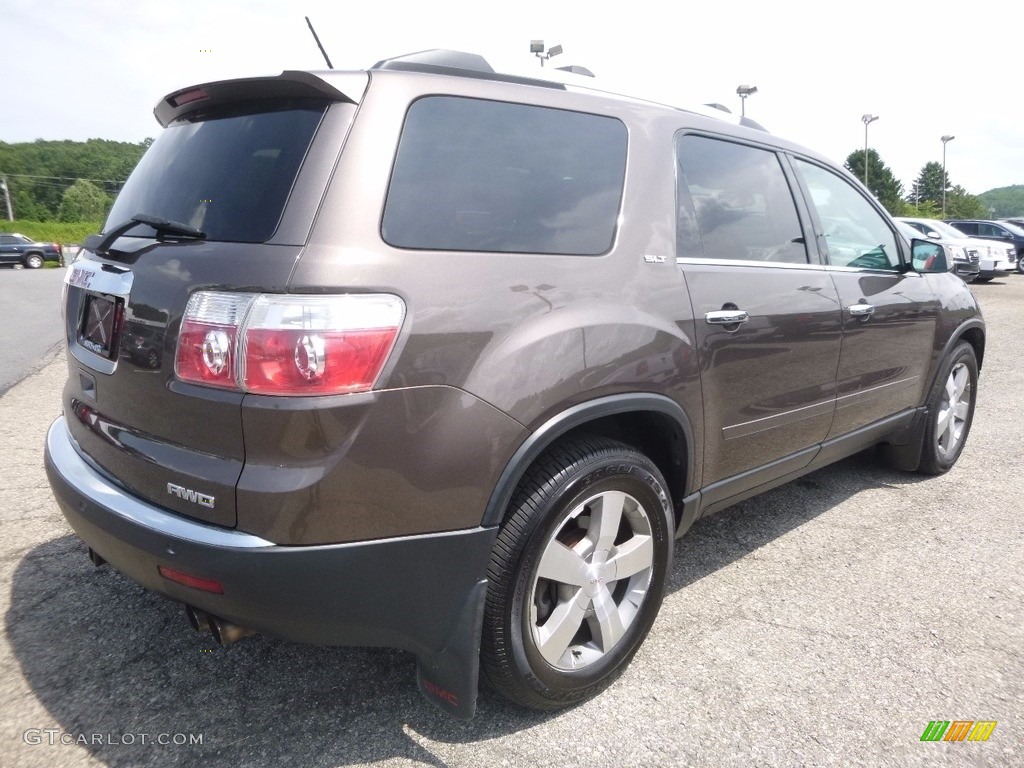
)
(419, 593)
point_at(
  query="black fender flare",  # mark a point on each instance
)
(904, 448)
(545, 435)
(955, 338)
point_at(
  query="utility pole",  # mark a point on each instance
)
(7, 197)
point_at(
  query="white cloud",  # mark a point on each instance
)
(96, 68)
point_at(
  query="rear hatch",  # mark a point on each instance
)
(222, 201)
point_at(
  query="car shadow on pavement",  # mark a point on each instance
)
(120, 670)
(720, 539)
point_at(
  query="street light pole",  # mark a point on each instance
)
(945, 140)
(743, 91)
(867, 120)
(537, 49)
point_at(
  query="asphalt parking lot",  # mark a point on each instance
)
(824, 623)
(31, 303)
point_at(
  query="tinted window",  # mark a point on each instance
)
(857, 235)
(735, 203)
(990, 230)
(966, 227)
(474, 175)
(228, 174)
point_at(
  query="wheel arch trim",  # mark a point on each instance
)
(974, 324)
(571, 418)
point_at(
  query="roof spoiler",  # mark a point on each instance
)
(287, 85)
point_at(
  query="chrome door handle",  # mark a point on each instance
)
(861, 310)
(726, 317)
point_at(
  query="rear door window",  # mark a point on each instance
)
(735, 203)
(477, 175)
(227, 172)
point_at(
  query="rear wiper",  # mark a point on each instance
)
(164, 227)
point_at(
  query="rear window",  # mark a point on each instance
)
(476, 175)
(227, 172)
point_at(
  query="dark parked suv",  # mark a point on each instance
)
(443, 359)
(1005, 232)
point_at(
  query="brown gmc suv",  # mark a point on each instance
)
(443, 359)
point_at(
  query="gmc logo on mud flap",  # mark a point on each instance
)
(187, 494)
(436, 690)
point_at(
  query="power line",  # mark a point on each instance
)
(65, 178)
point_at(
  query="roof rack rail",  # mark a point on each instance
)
(439, 61)
(576, 69)
(746, 122)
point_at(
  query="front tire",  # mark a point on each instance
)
(950, 411)
(577, 574)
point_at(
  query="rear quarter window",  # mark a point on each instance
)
(477, 175)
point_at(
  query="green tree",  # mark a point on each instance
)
(25, 207)
(962, 205)
(929, 184)
(45, 169)
(925, 210)
(83, 201)
(881, 181)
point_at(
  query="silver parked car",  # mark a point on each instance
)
(993, 259)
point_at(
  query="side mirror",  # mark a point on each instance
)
(934, 235)
(929, 258)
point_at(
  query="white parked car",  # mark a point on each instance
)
(965, 261)
(993, 258)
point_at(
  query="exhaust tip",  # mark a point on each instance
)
(200, 620)
(95, 559)
(226, 633)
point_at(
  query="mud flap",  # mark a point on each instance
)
(448, 678)
(903, 452)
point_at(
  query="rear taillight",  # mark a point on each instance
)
(287, 345)
(207, 342)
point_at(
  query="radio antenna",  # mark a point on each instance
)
(318, 43)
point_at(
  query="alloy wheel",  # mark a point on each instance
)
(591, 581)
(954, 410)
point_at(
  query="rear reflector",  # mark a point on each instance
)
(197, 582)
(287, 344)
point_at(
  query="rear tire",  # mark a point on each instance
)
(950, 411)
(577, 573)
(33, 261)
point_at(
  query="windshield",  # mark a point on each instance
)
(908, 231)
(947, 230)
(1018, 231)
(225, 172)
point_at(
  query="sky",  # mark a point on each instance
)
(95, 68)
